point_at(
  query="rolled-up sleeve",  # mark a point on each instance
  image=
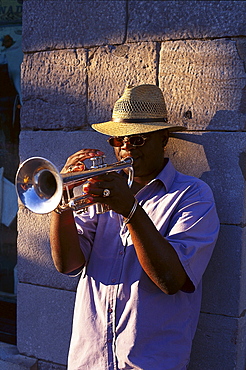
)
(193, 230)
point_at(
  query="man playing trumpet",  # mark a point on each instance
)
(141, 263)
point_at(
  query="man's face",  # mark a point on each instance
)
(149, 158)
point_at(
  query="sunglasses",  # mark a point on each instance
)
(118, 141)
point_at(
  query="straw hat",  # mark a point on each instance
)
(140, 109)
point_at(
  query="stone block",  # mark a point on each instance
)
(44, 322)
(54, 90)
(56, 146)
(204, 84)
(224, 291)
(35, 264)
(65, 24)
(111, 68)
(172, 20)
(219, 343)
(218, 158)
(10, 359)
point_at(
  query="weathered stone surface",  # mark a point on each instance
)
(49, 366)
(219, 160)
(10, 359)
(44, 322)
(172, 20)
(54, 90)
(63, 24)
(35, 264)
(204, 84)
(224, 291)
(219, 343)
(57, 146)
(57, 97)
(111, 68)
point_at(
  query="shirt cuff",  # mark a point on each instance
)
(76, 272)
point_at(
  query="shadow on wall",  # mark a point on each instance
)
(216, 158)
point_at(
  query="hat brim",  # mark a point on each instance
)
(111, 128)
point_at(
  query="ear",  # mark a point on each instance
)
(165, 137)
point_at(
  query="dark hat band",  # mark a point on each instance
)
(138, 120)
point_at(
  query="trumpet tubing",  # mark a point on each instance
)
(42, 188)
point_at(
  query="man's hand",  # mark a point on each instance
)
(120, 197)
(75, 163)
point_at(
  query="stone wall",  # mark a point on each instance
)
(78, 57)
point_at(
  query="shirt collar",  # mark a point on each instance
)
(167, 175)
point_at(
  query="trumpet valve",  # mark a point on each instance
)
(98, 162)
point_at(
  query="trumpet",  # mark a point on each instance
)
(42, 188)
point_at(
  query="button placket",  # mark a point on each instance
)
(114, 281)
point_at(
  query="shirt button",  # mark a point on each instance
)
(110, 310)
(109, 340)
(113, 280)
(121, 253)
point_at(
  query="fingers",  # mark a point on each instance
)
(95, 185)
(75, 162)
(111, 189)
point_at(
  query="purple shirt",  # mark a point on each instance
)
(122, 320)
